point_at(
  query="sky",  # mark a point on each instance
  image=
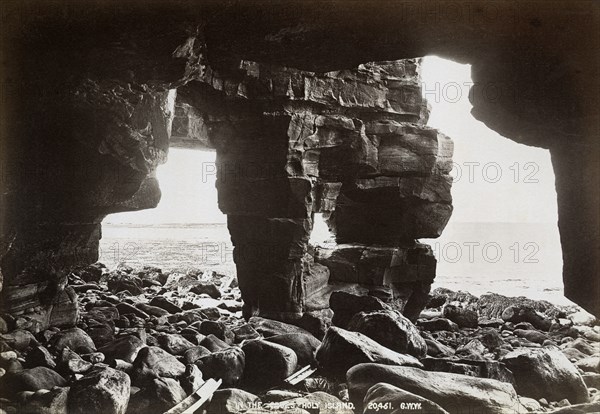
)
(495, 179)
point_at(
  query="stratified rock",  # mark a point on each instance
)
(153, 362)
(232, 401)
(305, 346)
(452, 392)
(75, 338)
(343, 349)
(32, 379)
(545, 373)
(464, 318)
(475, 368)
(345, 305)
(386, 397)
(227, 365)
(103, 391)
(125, 348)
(268, 363)
(392, 330)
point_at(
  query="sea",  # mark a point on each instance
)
(513, 259)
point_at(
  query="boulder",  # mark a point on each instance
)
(32, 379)
(76, 339)
(305, 346)
(166, 304)
(227, 365)
(268, 363)
(232, 401)
(192, 379)
(345, 305)
(158, 396)
(214, 344)
(39, 356)
(392, 330)
(152, 310)
(244, 332)
(218, 329)
(464, 318)
(47, 402)
(319, 401)
(343, 349)
(545, 373)
(125, 348)
(120, 282)
(452, 392)
(193, 354)
(174, 344)
(383, 397)
(270, 327)
(153, 362)
(475, 368)
(524, 313)
(70, 362)
(207, 288)
(437, 324)
(102, 391)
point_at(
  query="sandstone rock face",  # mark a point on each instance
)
(351, 145)
(452, 392)
(113, 93)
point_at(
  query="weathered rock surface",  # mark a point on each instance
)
(103, 391)
(343, 349)
(390, 329)
(232, 401)
(32, 379)
(452, 392)
(268, 363)
(385, 396)
(546, 373)
(153, 362)
(305, 346)
(227, 365)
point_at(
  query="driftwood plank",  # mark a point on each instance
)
(197, 398)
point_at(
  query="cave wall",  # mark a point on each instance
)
(87, 106)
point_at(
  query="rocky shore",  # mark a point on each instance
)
(146, 339)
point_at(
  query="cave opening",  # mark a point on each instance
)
(503, 235)
(185, 231)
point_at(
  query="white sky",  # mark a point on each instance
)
(489, 194)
